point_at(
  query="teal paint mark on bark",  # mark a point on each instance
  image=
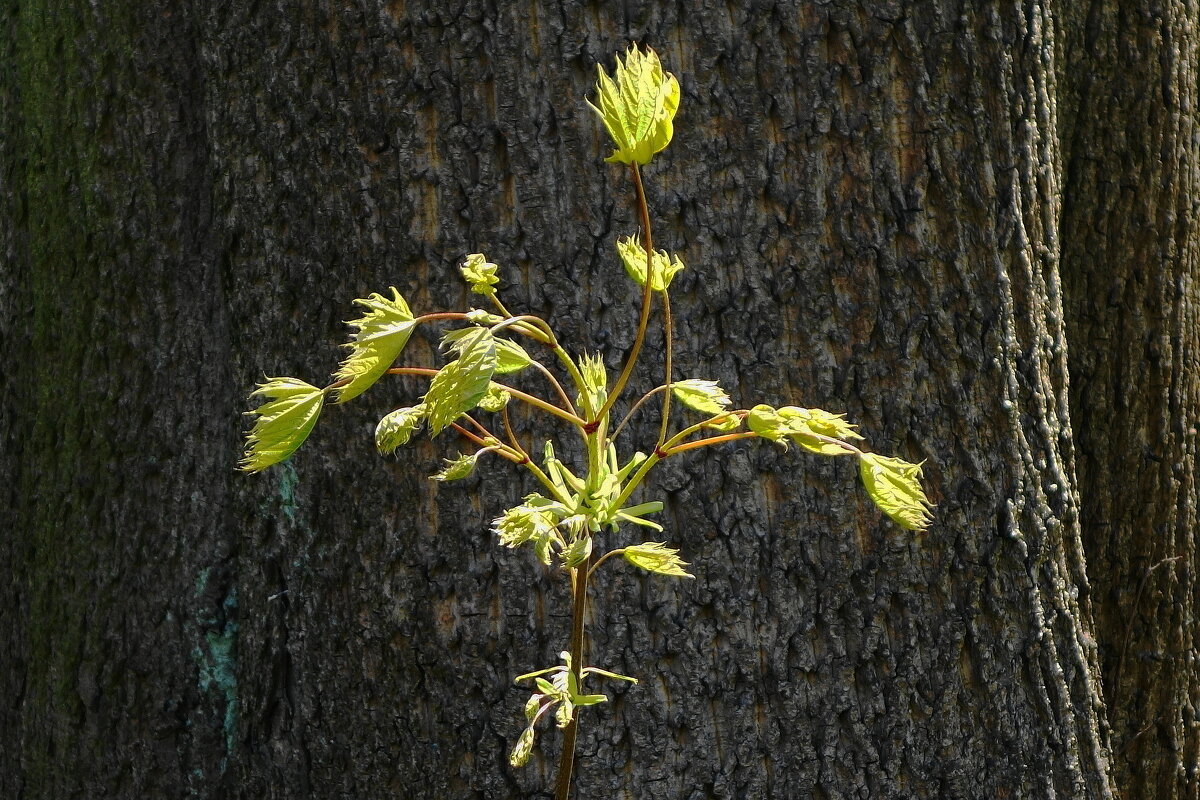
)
(216, 663)
(201, 581)
(288, 481)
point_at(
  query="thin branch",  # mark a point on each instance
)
(666, 411)
(604, 558)
(729, 437)
(636, 406)
(647, 294)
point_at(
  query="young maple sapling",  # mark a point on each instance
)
(566, 524)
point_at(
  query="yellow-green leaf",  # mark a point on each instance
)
(637, 108)
(895, 486)
(480, 274)
(460, 385)
(520, 753)
(283, 423)
(395, 429)
(633, 256)
(805, 426)
(726, 423)
(457, 468)
(522, 524)
(495, 399)
(767, 423)
(657, 557)
(577, 552)
(704, 396)
(382, 333)
(595, 383)
(510, 356)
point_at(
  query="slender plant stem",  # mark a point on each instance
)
(479, 426)
(537, 402)
(729, 437)
(666, 412)
(496, 299)
(512, 437)
(543, 405)
(502, 449)
(425, 371)
(441, 315)
(550, 340)
(647, 294)
(636, 406)
(567, 404)
(604, 558)
(566, 763)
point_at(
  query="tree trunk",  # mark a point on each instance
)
(871, 202)
(1133, 319)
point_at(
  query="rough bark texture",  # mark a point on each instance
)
(1133, 318)
(868, 197)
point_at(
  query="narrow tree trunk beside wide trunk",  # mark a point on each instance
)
(1133, 318)
(869, 204)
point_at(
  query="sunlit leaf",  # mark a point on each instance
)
(895, 486)
(282, 423)
(457, 468)
(382, 333)
(811, 428)
(495, 399)
(595, 383)
(767, 423)
(480, 274)
(807, 425)
(704, 396)
(524, 523)
(460, 385)
(523, 749)
(577, 552)
(664, 267)
(510, 356)
(725, 423)
(397, 428)
(638, 107)
(656, 557)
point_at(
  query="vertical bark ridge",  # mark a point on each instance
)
(1129, 262)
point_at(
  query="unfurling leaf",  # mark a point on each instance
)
(595, 383)
(807, 425)
(811, 428)
(726, 423)
(395, 429)
(578, 551)
(532, 706)
(895, 486)
(460, 385)
(458, 468)
(495, 399)
(657, 557)
(382, 333)
(477, 316)
(767, 423)
(704, 396)
(525, 523)
(638, 108)
(524, 747)
(510, 356)
(480, 274)
(664, 267)
(283, 423)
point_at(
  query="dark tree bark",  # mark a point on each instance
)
(872, 199)
(1129, 269)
